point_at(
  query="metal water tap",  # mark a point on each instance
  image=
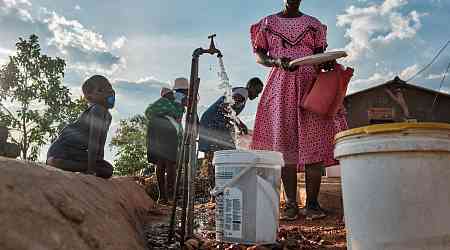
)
(212, 47)
(211, 50)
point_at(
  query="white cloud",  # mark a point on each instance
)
(119, 42)
(153, 81)
(7, 5)
(437, 76)
(77, 7)
(409, 72)
(377, 23)
(84, 49)
(380, 78)
(389, 5)
(71, 33)
(133, 97)
(17, 8)
(148, 81)
(95, 66)
(87, 50)
(4, 53)
(403, 27)
(374, 80)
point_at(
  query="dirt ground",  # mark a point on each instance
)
(328, 233)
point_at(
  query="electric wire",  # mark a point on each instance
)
(431, 63)
(440, 87)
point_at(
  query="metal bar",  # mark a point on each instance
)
(193, 91)
(192, 164)
(185, 201)
(178, 182)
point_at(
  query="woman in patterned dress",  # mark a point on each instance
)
(304, 138)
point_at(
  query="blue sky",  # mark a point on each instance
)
(142, 45)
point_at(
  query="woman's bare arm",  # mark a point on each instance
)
(264, 59)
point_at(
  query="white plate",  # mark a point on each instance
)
(318, 58)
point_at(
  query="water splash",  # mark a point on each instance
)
(229, 102)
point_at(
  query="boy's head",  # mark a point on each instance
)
(254, 87)
(240, 96)
(98, 90)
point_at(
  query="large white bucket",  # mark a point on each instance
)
(247, 195)
(396, 186)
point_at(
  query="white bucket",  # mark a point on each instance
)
(334, 171)
(247, 204)
(396, 186)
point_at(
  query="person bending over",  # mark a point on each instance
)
(216, 130)
(164, 135)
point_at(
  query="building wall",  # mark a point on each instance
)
(418, 101)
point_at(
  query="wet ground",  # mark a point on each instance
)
(328, 233)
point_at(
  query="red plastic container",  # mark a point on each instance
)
(326, 95)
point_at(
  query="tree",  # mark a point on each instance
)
(39, 105)
(130, 142)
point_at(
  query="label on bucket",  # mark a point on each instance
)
(225, 176)
(232, 209)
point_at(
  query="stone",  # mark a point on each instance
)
(192, 244)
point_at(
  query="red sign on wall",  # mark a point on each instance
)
(381, 113)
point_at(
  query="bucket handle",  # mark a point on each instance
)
(215, 192)
(268, 192)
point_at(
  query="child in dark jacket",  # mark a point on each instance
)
(80, 146)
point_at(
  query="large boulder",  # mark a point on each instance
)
(44, 208)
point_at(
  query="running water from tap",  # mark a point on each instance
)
(229, 102)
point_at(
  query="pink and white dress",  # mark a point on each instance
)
(281, 124)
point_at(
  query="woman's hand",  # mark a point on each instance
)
(243, 128)
(264, 59)
(282, 63)
(326, 66)
(285, 65)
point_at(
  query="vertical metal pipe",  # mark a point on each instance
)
(192, 164)
(178, 183)
(187, 213)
